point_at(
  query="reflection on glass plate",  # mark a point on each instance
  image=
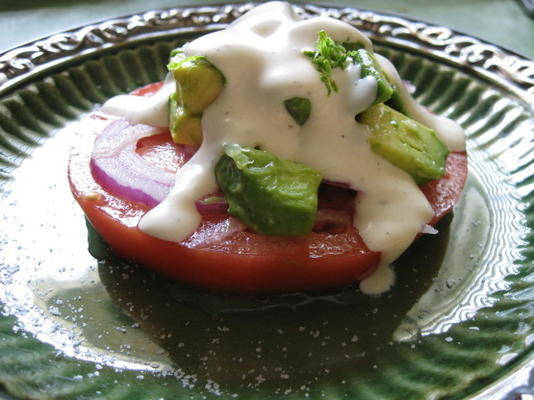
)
(79, 323)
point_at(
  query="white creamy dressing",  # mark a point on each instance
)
(261, 57)
(149, 110)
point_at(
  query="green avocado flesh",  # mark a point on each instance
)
(272, 196)
(370, 67)
(405, 143)
(299, 108)
(396, 102)
(185, 128)
(198, 82)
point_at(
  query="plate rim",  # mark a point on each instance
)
(509, 70)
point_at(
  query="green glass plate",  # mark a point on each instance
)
(78, 323)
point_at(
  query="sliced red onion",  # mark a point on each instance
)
(122, 171)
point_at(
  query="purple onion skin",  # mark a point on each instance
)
(125, 192)
(116, 165)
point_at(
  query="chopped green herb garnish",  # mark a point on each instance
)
(328, 55)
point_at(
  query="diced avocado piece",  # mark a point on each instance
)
(353, 46)
(299, 108)
(272, 196)
(396, 102)
(370, 67)
(185, 128)
(405, 143)
(198, 82)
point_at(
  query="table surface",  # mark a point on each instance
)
(501, 22)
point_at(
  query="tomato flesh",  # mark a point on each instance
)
(444, 193)
(242, 262)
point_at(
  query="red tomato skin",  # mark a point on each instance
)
(444, 193)
(315, 262)
(230, 272)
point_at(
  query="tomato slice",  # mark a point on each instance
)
(444, 193)
(242, 261)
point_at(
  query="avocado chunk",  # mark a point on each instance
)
(397, 103)
(353, 46)
(299, 108)
(185, 128)
(197, 81)
(272, 196)
(405, 143)
(370, 67)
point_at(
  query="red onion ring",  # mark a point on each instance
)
(118, 168)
